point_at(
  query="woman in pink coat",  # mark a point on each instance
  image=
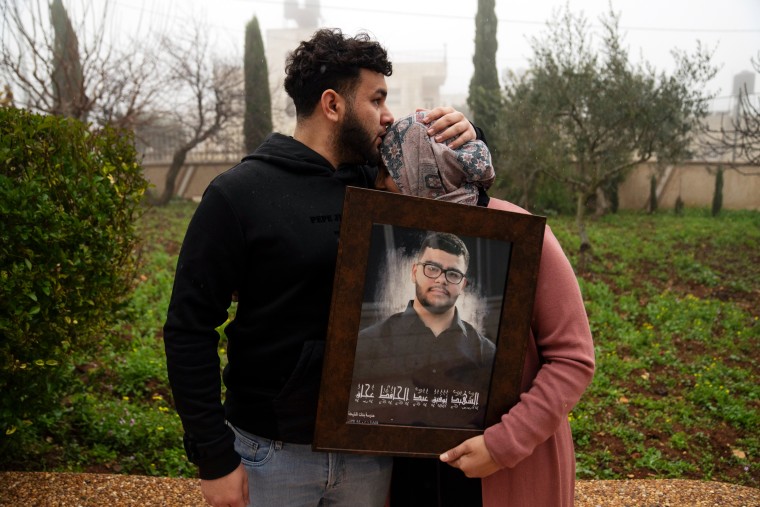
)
(528, 458)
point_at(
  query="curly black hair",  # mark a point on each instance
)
(329, 60)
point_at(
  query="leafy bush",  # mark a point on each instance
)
(68, 201)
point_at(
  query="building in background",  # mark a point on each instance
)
(415, 85)
(416, 81)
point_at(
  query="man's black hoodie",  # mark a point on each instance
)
(266, 229)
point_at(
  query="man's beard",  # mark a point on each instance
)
(434, 308)
(354, 143)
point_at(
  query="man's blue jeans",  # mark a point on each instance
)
(292, 475)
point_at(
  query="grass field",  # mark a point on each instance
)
(673, 301)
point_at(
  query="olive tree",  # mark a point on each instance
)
(594, 114)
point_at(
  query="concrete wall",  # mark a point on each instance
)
(192, 179)
(694, 182)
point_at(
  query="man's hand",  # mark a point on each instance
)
(472, 458)
(449, 123)
(228, 491)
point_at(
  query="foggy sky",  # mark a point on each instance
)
(430, 29)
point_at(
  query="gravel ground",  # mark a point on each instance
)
(84, 490)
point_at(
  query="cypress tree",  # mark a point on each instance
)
(257, 122)
(484, 93)
(67, 74)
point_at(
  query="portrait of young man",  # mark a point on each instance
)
(429, 364)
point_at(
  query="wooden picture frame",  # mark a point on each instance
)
(425, 412)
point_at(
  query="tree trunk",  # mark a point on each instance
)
(602, 203)
(580, 220)
(178, 160)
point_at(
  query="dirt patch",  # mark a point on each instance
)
(85, 490)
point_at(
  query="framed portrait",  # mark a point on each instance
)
(430, 315)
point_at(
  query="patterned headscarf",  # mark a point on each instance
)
(422, 167)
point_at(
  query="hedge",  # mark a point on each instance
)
(69, 197)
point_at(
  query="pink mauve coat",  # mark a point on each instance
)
(533, 442)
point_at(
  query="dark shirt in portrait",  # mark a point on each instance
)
(404, 374)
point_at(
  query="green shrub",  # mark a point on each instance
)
(68, 201)
(128, 436)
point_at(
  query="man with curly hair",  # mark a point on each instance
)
(267, 230)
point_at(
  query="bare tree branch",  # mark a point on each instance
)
(736, 140)
(203, 93)
(118, 85)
